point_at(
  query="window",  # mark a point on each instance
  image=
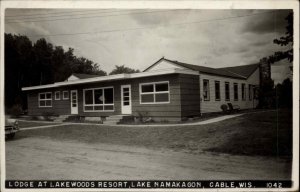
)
(235, 91)
(227, 91)
(243, 92)
(57, 95)
(217, 90)
(65, 95)
(250, 92)
(206, 90)
(98, 99)
(45, 99)
(157, 92)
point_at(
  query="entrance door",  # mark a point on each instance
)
(126, 99)
(74, 102)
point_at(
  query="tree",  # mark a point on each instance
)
(287, 41)
(284, 93)
(266, 94)
(18, 57)
(43, 52)
(122, 69)
(28, 64)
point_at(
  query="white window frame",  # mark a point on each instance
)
(66, 98)
(208, 90)
(57, 98)
(39, 99)
(93, 105)
(154, 92)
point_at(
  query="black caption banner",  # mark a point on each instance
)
(25, 184)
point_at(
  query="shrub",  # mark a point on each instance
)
(34, 118)
(142, 116)
(16, 110)
(224, 108)
(48, 116)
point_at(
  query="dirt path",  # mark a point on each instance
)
(43, 158)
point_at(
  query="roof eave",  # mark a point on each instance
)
(112, 77)
(223, 75)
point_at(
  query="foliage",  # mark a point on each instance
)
(49, 116)
(142, 116)
(266, 94)
(270, 97)
(15, 110)
(279, 96)
(284, 94)
(122, 69)
(286, 40)
(29, 64)
(224, 108)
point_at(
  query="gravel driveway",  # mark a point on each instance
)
(44, 158)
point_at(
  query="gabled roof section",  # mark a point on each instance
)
(240, 72)
(202, 69)
(244, 70)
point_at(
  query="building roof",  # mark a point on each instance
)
(111, 78)
(244, 70)
(84, 76)
(240, 72)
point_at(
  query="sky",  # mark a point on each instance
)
(138, 38)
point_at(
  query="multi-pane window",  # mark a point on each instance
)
(57, 95)
(157, 92)
(45, 99)
(126, 96)
(250, 92)
(65, 95)
(217, 90)
(206, 90)
(98, 99)
(243, 92)
(227, 91)
(235, 91)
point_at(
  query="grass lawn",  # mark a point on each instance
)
(269, 133)
(252, 134)
(24, 124)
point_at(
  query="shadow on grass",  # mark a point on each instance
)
(265, 134)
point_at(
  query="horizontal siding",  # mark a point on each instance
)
(166, 111)
(184, 96)
(59, 107)
(214, 106)
(190, 100)
(171, 110)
